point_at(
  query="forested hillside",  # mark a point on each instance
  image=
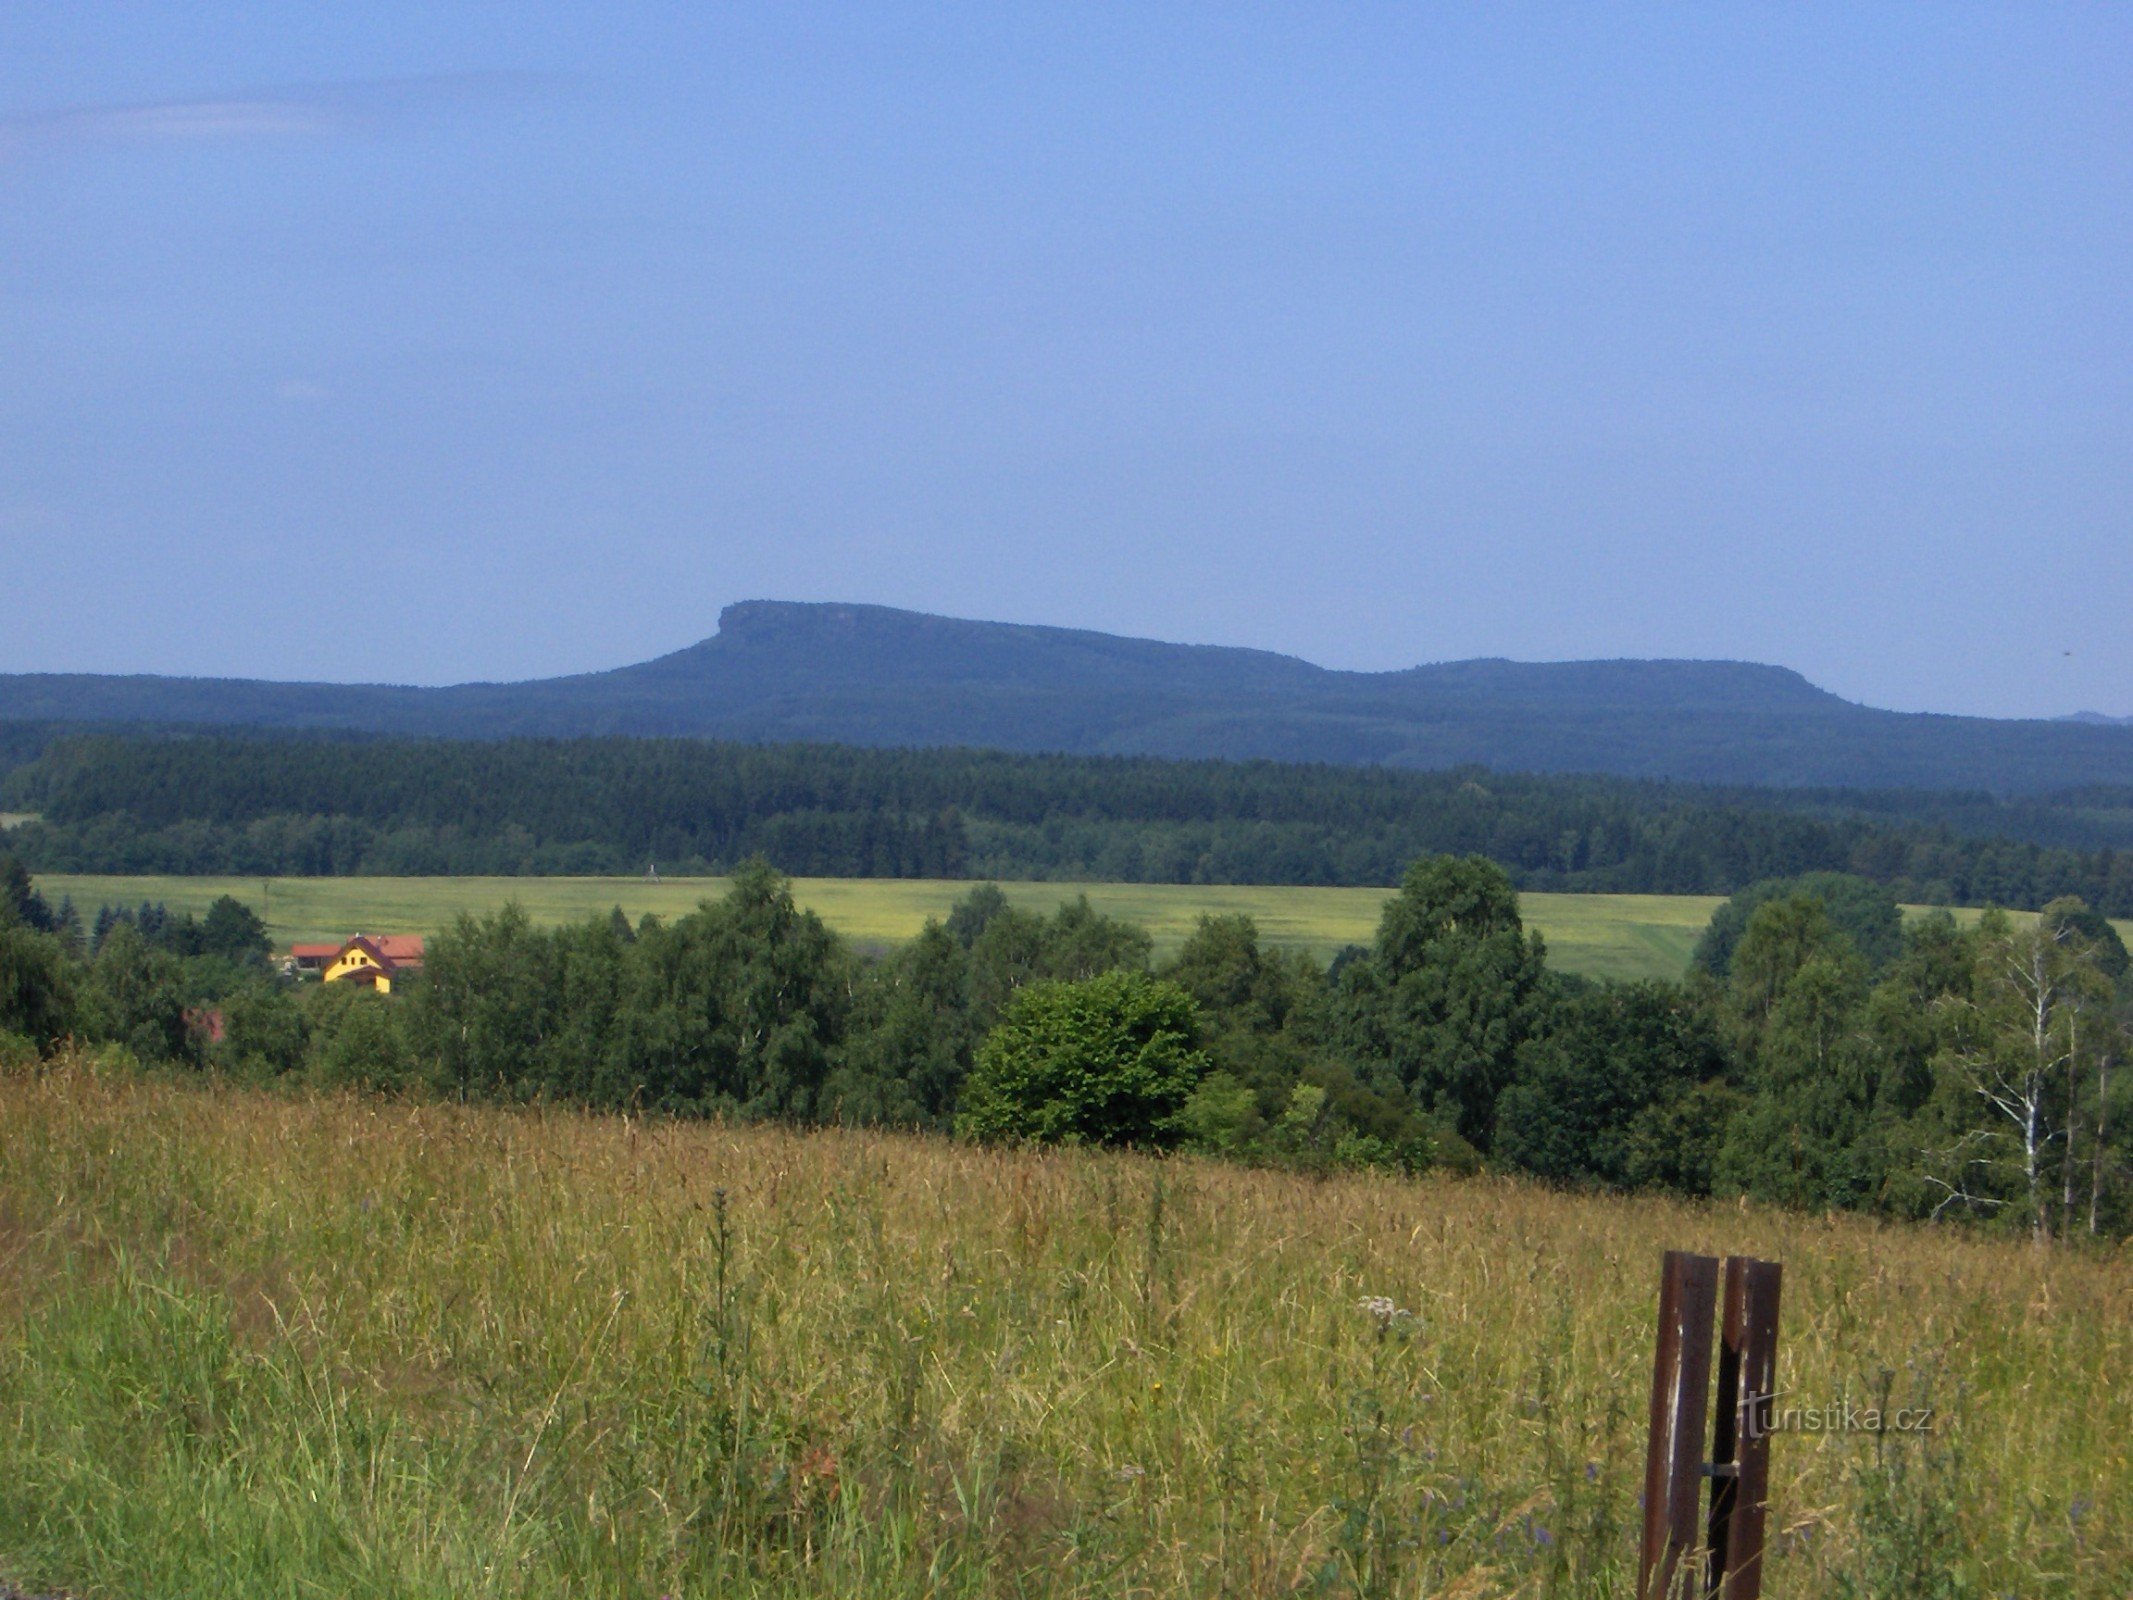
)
(314, 805)
(873, 676)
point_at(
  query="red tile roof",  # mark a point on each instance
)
(392, 950)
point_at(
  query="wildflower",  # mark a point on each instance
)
(1387, 1312)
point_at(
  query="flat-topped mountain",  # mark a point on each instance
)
(870, 675)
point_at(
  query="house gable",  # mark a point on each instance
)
(373, 960)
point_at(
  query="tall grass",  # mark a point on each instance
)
(261, 1345)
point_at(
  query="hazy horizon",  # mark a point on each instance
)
(2081, 713)
(490, 343)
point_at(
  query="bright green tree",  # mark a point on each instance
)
(1449, 992)
(740, 1007)
(1815, 1073)
(135, 995)
(1112, 1060)
(485, 1004)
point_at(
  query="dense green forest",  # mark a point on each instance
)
(1820, 1054)
(262, 804)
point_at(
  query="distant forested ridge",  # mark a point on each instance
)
(319, 805)
(868, 675)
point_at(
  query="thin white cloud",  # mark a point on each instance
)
(168, 122)
(310, 111)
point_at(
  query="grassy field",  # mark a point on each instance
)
(1616, 936)
(263, 1345)
(1600, 935)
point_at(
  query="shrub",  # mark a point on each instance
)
(1113, 1059)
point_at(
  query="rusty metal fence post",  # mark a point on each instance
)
(1740, 1459)
(1681, 1396)
(1686, 1554)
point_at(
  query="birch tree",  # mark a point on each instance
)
(2033, 1022)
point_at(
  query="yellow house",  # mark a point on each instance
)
(374, 960)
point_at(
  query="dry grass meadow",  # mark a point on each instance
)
(264, 1345)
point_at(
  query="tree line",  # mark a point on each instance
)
(266, 805)
(1821, 1053)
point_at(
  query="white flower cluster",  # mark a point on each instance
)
(1386, 1310)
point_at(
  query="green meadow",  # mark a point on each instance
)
(1598, 935)
(1602, 935)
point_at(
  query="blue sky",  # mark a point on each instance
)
(432, 342)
